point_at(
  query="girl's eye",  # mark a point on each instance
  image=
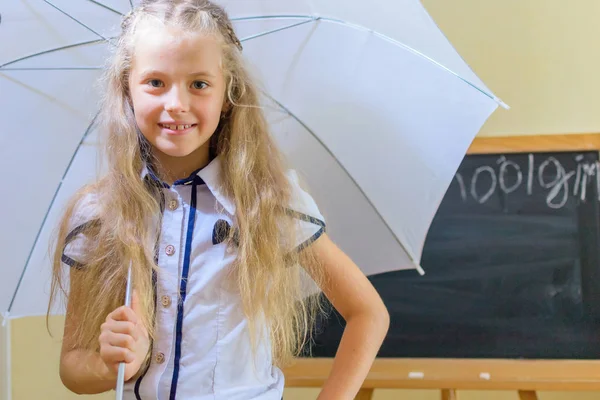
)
(199, 85)
(155, 83)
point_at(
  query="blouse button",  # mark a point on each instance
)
(173, 204)
(166, 301)
(170, 250)
(160, 358)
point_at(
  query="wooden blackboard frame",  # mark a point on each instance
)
(535, 143)
(448, 375)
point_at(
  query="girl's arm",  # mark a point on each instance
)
(81, 371)
(367, 321)
(84, 372)
(121, 338)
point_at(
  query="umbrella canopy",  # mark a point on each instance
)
(369, 101)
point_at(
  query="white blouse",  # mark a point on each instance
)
(202, 347)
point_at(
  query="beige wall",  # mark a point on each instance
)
(539, 56)
(4, 337)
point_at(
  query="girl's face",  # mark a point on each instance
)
(177, 89)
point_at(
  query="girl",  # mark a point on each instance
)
(197, 200)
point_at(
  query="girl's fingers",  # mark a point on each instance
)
(120, 327)
(121, 340)
(115, 355)
(123, 314)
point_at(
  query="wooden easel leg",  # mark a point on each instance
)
(364, 394)
(449, 394)
(527, 395)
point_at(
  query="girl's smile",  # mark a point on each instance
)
(176, 128)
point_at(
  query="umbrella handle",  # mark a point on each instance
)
(121, 373)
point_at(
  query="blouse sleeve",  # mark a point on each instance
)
(303, 208)
(85, 215)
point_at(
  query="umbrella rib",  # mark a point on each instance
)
(381, 36)
(37, 237)
(52, 51)
(338, 162)
(75, 19)
(418, 53)
(50, 69)
(262, 17)
(106, 7)
(276, 30)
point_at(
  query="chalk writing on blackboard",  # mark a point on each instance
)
(548, 174)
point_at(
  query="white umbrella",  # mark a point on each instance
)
(369, 100)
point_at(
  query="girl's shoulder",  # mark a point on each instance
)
(83, 214)
(300, 199)
(304, 209)
(85, 206)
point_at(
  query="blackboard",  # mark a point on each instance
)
(512, 263)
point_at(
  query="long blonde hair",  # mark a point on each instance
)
(267, 273)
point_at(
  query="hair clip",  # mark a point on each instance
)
(221, 18)
(234, 39)
(126, 19)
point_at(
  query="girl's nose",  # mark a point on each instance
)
(177, 101)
